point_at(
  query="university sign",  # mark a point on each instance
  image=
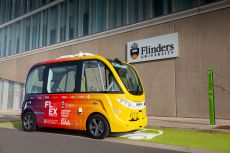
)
(160, 47)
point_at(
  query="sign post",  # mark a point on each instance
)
(211, 97)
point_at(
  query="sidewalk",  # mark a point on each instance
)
(9, 115)
(153, 121)
(189, 124)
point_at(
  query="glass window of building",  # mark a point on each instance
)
(44, 2)
(36, 20)
(1, 11)
(147, 9)
(73, 10)
(133, 11)
(180, 5)
(26, 35)
(11, 9)
(9, 46)
(44, 27)
(99, 12)
(115, 13)
(4, 40)
(62, 21)
(17, 8)
(53, 24)
(17, 37)
(85, 17)
(1, 43)
(161, 7)
(203, 2)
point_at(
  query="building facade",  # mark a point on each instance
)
(34, 31)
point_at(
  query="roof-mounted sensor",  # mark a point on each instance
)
(80, 54)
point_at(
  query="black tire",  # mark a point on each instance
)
(29, 122)
(97, 127)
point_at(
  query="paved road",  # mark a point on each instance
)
(53, 141)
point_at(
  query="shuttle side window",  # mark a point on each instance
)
(35, 80)
(61, 79)
(96, 77)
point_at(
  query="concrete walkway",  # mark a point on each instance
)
(9, 115)
(189, 124)
(163, 122)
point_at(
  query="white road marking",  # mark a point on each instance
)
(143, 135)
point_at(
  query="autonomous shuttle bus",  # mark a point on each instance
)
(84, 92)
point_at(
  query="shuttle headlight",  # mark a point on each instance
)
(131, 104)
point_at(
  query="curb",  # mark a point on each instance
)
(192, 129)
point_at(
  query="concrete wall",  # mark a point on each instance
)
(204, 42)
(174, 87)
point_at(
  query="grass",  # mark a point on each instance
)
(15, 124)
(194, 139)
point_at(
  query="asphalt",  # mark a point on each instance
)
(17, 141)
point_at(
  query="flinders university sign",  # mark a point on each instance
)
(160, 47)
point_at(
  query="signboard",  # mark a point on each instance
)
(160, 47)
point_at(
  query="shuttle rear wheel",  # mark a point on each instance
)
(29, 122)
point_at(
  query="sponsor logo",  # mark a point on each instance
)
(63, 97)
(67, 105)
(65, 121)
(65, 113)
(39, 113)
(52, 109)
(48, 121)
(39, 97)
(47, 97)
(63, 104)
(72, 97)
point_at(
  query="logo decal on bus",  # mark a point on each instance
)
(52, 109)
(65, 121)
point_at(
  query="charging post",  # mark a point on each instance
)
(211, 98)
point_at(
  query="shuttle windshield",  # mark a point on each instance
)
(128, 76)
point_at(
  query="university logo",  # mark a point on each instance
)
(134, 51)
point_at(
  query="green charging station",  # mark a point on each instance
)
(211, 98)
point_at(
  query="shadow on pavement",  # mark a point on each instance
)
(18, 125)
(75, 132)
(64, 132)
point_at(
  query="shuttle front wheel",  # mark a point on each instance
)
(98, 127)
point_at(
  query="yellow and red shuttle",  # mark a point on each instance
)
(84, 92)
